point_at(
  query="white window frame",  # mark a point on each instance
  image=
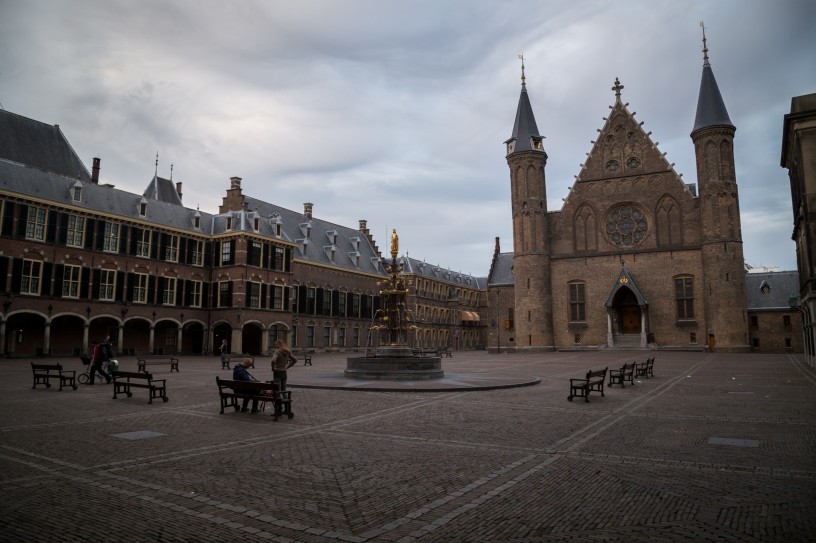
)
(197, 256)
(36, 223)
(140, 288)
(143, 243)
(226, 249)
(169, 294)
(196, 294)
(75, 235)
(171, 251)
(31, 281)
(71, 277)
(110, 240)
(107, 285)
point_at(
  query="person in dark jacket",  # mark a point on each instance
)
(98, 359)
(240, 373)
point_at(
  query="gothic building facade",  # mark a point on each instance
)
(635, 258)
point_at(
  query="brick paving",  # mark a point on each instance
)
(717, 447)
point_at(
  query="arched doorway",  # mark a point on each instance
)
(25, 335)
(66, 335)
(193, 338)
(628, 312)
(221, 331)
(136, 338)
(101, 327)
(252, 338)
(165, 337)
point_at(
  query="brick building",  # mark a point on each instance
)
(799, 157)
(81, 260)
(774, 320)
(635, 258)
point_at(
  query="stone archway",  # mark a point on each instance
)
(193, 338)
(221, 331)
(627, 311)
(66, 335)
(252, 338)
(25, 335)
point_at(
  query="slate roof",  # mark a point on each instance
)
(781, 285)
(162, 189)
(525, 124)
(503, 271)
(319, 241)
(31, 182)
(39, 145)
(421, 268)
(710, 106)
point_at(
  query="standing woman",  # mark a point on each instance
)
(224, 350)
(282, 360)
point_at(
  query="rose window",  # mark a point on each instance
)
(626, 225)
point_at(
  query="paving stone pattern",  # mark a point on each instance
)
(513, 464)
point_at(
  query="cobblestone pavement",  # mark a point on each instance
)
(716, 447)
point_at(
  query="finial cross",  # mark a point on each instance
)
(523, 79)
(617, 88)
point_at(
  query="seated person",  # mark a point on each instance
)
(240, 373)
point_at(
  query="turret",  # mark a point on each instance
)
(723, 261)
(531, 259)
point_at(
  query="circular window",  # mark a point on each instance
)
(633, 163)
(626, 225)
(612, 166)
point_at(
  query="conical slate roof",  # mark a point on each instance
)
(525, 125)
(710, 106)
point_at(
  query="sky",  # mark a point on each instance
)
(396, 112)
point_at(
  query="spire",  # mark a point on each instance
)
(617, 88)
(525, 132)
(710, 106)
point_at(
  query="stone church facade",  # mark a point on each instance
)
(636, 257)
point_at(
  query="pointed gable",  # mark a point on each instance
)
(622, 148)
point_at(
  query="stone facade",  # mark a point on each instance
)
(799, 157)
(635, 258)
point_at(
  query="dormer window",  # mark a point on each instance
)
(256, 223)
(511, 146)
(765, 288)
(76, 192)
(278, 229)
(197, 222)
(535, 143)
(229, 223)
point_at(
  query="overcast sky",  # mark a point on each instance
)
(396, 112)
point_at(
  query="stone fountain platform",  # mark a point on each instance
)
(333, 379)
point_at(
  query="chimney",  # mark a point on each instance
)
(235, 182)
(178, 189)
(95, 171)
(307, 210)
(363, 228)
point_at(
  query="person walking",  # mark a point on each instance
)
(282, 360)
(223, 350)
(100, 355)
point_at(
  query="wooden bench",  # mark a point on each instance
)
(305, 356)
(123, 381)
(645, 369)
(230, 392)
(43, 373)
(594, 381)
(145, 361)
(227, 359)
(623, 375)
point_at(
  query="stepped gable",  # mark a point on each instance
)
(623, 148)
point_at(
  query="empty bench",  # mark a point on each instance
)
(594, 381)
(43, 373)
(227, 359)
(624, 375)
(230, 392)
(305, 356)
(145, 361)
(123, 381)
(645, 369)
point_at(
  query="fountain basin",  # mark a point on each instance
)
(395, 368)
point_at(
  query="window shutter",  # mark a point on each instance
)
(154, 246)
(120, 286)
(131, 279)
(90, 226)
(95, 286)
(179, 291)
(16, 275)
(123, 240)
(232, 251)
(229, 294)
(63, 228)
(182, 250)
(301, 306)
(45, 285)
(22, 218)
(84, 275)
(205, 293)
(51, 227)
(286, 294)
(318, 301)
(4, 261)
(8, 219)
(59, 272)
(264, 289)
(100, 235)
(335, 303)
(151, 289)
(160, 293)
